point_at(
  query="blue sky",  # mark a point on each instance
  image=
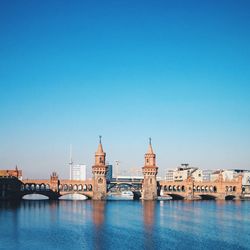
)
(177, 71)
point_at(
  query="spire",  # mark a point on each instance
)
(100, 149)
(150, 149)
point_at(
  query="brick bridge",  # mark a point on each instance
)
(54, 188)
(97, 188)
(191, 190)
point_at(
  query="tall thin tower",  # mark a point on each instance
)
(70, 162)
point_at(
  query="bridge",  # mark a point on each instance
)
(98, 187)
(54, 188)
(192, 190)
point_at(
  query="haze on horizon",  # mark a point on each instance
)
(177, 71)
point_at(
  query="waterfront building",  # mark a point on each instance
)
(182, 173)
(12, 173)
(169, 175)
(246, 182)
(78, 172)
(206, 174)
(228, 174)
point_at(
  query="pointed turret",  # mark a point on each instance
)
(100, 155)
(100, 149)
(150, 156)
(150, 149)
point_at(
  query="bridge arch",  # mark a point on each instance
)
(176, 196)
(207, 196)
(74, 196)
(75, 188)
(230, 197)
(89, 187)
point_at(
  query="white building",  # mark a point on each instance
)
(78, 172)
(183, 172)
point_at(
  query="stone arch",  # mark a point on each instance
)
(202, 188)
(65, 187)
(80, 187)
(75, 188)
(37, 187)
(176, 196)
(32, 186)
(229, 197)
(211, 189)
(207, 197)
(206, 188)
(234, 189)
(215, 189)
(42, 187)
(47, 187)
(183, 188)
(170, 188)
(174, 188)
(165, 188)
(70, 187)
(27, 186)
(90, 187)
(198, 188)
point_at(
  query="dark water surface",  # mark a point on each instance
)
(125, 225)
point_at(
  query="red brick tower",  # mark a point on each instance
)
(150, 170)
(99, 171)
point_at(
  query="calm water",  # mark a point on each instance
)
(125, 225)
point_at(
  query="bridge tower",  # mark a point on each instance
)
(150, 170)
(99, 171)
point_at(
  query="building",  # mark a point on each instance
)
(169, 175)
(15, 173)
(109, 172)
(228, 174)
(206, 174)
(78, 172)
(184, 171)
(246, 182)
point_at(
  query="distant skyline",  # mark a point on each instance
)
(176, 71)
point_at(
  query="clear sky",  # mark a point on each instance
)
(178, 71)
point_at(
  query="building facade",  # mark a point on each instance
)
(12, 173)
(182, 173)
(78, 172)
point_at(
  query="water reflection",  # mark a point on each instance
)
(98, 215)
(149, 222)
(125, 225)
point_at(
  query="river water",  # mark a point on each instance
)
(125, 225)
